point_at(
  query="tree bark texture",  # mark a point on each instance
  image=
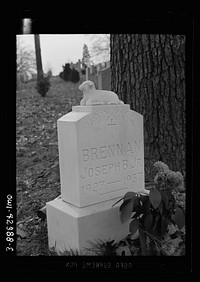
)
(148, 72)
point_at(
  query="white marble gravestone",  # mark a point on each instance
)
(101, 155)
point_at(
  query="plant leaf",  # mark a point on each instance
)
(41, 214)
(129, 195)
(117, 202)
(154, 197)
(179, 218)
(126, 210)
(148, 221)
(133, 227)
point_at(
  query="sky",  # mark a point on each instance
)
(56, 50)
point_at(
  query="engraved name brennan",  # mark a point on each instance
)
(132, 150)
(110, 151)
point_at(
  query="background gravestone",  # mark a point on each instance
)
(104, 79)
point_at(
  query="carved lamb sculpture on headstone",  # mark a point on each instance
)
(93, 96)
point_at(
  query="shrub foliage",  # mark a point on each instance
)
(152, 213)
(69, 74)
(43, 86)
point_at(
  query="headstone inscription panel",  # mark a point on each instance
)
(101, 153)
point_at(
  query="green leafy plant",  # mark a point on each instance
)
(153, 212)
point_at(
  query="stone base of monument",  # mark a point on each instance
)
(73, 228)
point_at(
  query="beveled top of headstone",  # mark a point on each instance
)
(96, 108)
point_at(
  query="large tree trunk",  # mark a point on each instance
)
(148, 72)
(38, 57)
(40, 75)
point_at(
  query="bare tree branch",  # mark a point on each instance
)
(26, 63)
(100, 49)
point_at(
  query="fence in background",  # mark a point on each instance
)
(100, 74)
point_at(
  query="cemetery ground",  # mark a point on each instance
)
(38, 179)
(37, 165)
